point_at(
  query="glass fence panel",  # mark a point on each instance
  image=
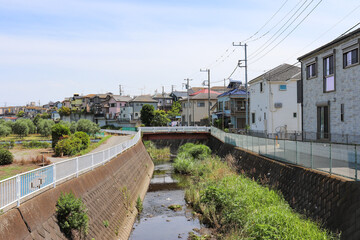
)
(304, 155)
(321, 156)
(290, 151)
(343, 160)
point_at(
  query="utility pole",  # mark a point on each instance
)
(120, 90)
(223, 114)
(188, 100)
(208, 71)
(246, 81)
(172, 88)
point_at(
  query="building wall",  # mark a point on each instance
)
(346, 92)
(137, 106)
(196, 112)
(277, 119)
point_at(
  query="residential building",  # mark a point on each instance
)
(198, 107)
(164, 101)
(177, 95)
(231, 107)
(330, 90)
(11, 110)
(114, 105)
(138, 102)
(273, 106)
(31, 112)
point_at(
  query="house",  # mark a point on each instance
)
(197, 111)
(31, 111)
(55, 116)
(177, 95)
(11, 110)
(273, 106)
(232, 106)
(330, 90)
(138, 102)
(114, 105)
(164, 101)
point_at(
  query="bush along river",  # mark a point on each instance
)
(233, 206)
(165, 214)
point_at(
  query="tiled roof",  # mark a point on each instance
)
(143, 98)
(160, 95)
(204, 91)
(235, 91)
(119, 98)
(281, 73)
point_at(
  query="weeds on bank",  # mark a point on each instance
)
(236, 206)
(157, 154)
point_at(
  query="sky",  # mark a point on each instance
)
(51, 49)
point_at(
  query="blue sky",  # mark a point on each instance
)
(51, 49)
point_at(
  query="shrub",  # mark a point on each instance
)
(85, 125)
(21, 128)
(44, 127)
(68, 146)
(6, 157)
(73, 127)
(57, 131)
(71, 214)
(183, 165)
(36, 144)
(85, 139)
(5, 130)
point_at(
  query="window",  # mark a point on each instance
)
(112, 104)
(264, 116)
(294, 114)
(351, 57)
(136, 114)
(282, 87)
(329, 78)
(227, 105)
(342, 111)
(261, 87)
(311, 71)
(221, 106)
(201, 104)
(252, 117)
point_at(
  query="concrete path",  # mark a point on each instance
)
(113, 141)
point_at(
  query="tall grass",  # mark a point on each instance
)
(157, 154)
(238, 207)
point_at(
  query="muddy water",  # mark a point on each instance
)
(157, 221)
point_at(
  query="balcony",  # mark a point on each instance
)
(238, 109)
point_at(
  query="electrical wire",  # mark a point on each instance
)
(349, 30)
(289, 32)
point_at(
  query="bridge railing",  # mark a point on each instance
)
(15, 189)
(174, 129)
(333, 158)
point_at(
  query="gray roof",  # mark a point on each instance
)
(281, 73)
(160, 95)
(119, 98)
(180, 94)
(144, 98)
(201, 96)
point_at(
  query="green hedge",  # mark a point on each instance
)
(6, 157)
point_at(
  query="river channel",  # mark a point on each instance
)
(157, 221)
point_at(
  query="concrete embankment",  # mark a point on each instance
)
(109, 192)
(333, 200)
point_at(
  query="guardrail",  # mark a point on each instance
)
(173, 129)
(14, 189)
(119, 131)
(333, 158)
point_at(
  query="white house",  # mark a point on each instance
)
(273, 105)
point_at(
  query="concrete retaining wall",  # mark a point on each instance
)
(102, 191)
(333, 200)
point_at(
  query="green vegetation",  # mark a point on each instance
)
(72, 215)
(160, 118)
(147, 114)
(175, 110)
(93, 146)
(44, 127)
(36, 144)
(106, 223)
(161, 154)
(6, 157)
(175, 207)
(237, 207)
(73, 144)
(30, 137)
(64, 111)
(87, 126)
(139, 205)
(57, 131)
(12, 170)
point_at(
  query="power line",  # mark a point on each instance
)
(289, 32)
(266, 22)
(349, 30)
(265, 45)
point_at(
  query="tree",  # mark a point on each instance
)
(44, 127)
(6, 157)
(30, 124)
(57, 131)
(21, 128)
(36, 119)
(85, 125)
(45, 115)
(73, 127)
(5, 130)
(20, 114)
(147, 114)
(64, 111)
(160, 118)
(175, 110)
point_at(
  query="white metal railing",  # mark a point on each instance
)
(14, 189)
(174, 129)
(333, 158)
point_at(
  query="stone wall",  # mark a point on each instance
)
(332, 200)
(102, 191)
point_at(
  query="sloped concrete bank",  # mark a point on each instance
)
(333, 200)
(109, 192)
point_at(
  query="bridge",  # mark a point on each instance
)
(172, 133)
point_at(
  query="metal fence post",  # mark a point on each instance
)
(284, 151)
(77, 167)
(54, 175)
(296, 152)
(18, 188)
(311, 156)
(330, 160)
(356, 163)
(92, 161)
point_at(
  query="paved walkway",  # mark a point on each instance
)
(114, 140)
